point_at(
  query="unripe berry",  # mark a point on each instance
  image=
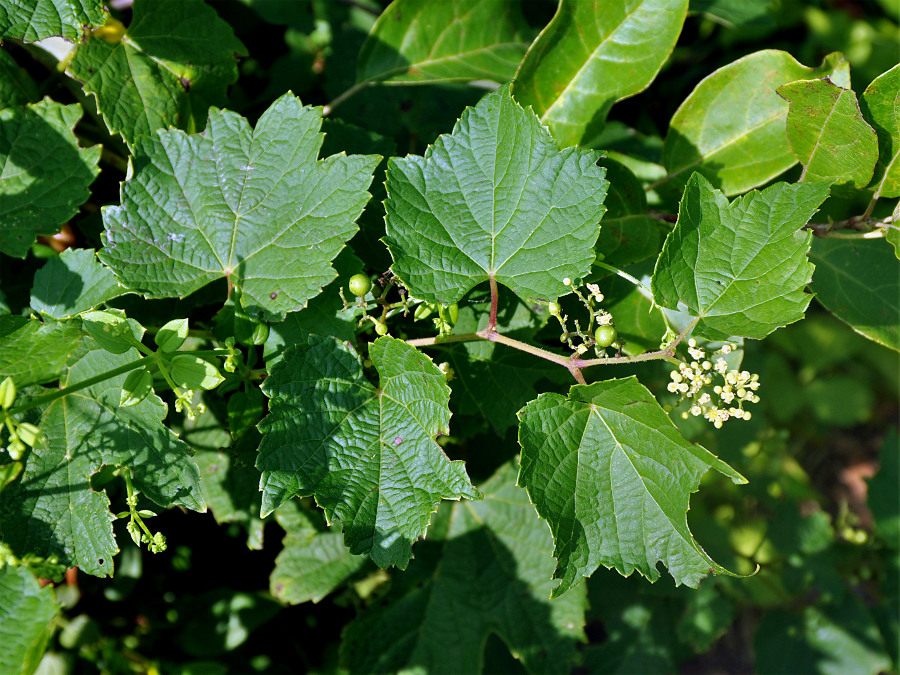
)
(554, 308)
(605, 336)
(381, 329)
(359, 285)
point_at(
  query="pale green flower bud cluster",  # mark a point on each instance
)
(720, 402)
(580, 340)
(21, 434)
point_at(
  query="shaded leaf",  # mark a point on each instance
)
(16, 85)
(739, 266)
(250, 205)
(367, 453)
(425, 41)
(496, 199)
(32, 352)
(26, 620)
(881, 105)
(592, 54)
(71, 283)
(828, 134)
(33, 20)
(45, 175)
(737, 13)
(312, 564)
(882, 492)
(858, 280)
(52, 510)
(612, 476)
(486, 571)
(176, 58)
(731, 127)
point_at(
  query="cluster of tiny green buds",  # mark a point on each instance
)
(600, 332)
(21, 434)
(184, 403)
(140, 533)
(232, 361)
(723, 401)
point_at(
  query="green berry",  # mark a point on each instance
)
(554, 308)
(453, 313)
(359, 285)
(605, 336)
(381, 328)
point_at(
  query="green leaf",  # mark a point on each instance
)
(367, 453)
(739, 266)
(488, 573)
(16, 86)
(496, 199)
(172, 335)
(627, 233)
(731, 127)
(737, 13)
(26, 620)
(312, 564)
(882, 493)
(612, 476)
(425, 41)
(136, 387)
(33, 20)
(251, 205)
(112, 330)
(71, 283)
(45, 175)
(828, 134)
(33, 352)
(245, 409)
(52, 510)
(177, 58)
(192, 372)
(858, 280)
(592, 54)
(881, 106)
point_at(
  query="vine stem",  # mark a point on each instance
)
(359, 86)
(667, 354)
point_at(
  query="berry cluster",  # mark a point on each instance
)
(601, 337)
(692, 381)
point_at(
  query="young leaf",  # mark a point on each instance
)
(881, 106)
(312, 564)
(52, 510)
(251, 205)
(490, 573)
(175, 60)
(496, 199)
(592, 54)
(171, 336)
(828, 134)
(26, 620)
(33, 352)
(367, 453)
(858, 280)
(192, 372)
(39, 194)
(612, 476)
(425, 41)
(731, 127)
(136, 387)
(71, 283)
(739, 266)
(112, 330)
(33, 20)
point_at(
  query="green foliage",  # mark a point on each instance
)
(447, 342)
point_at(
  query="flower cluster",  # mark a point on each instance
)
(598, 318)
(724, 401)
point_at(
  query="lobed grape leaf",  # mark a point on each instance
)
(731, 127)
(253, 206)
(487, 571)
(739, 266)
(496, 199)
(312, 563)
(175, 59)
(612, 476)
(367, 453)
(45, 174)
(593, 54)
(858, 280)
(26, 620)
(424, 41)
(52, 510)
(880, 103)
(71, 283)
(828, 134)
(33, 352)
(33, 20)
